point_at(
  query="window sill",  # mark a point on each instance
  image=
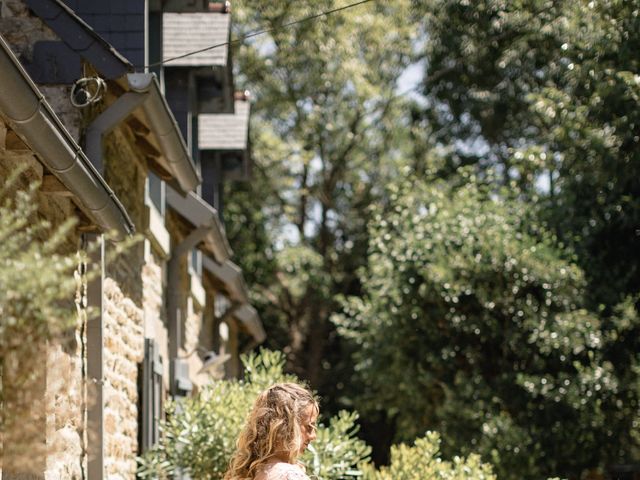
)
(156, 231)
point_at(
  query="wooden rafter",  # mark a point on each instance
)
(52, 186)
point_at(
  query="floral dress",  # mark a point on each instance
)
(281, 471)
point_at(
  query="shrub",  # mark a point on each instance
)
(198, 436)
(422, 461)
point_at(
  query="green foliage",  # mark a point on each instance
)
(323, 122)
(511, 339)
(198, 436)
(588, 119)
(477, 320)
(38, 286)
(548, 88)
(337, 453)
(546, 94)
(422, 460)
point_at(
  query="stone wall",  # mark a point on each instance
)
(123, 351)
(125, 312)
(126, 175)
(193, 324)
(21, 29)
(65, 421)
(64, 392)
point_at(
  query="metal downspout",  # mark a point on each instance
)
(174, 312)
(106, 122)
(95, 363)
(146, 93)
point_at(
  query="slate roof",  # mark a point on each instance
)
(225, 131)
(186, 32)
(119, 22)
(80, 37)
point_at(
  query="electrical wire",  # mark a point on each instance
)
(258, 32)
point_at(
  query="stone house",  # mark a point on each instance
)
(167, 313)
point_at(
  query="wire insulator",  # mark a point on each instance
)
(87, 91)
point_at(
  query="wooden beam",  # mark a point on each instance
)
(14, 142)
(138, 127)
(88, 228)
(3, 135)
(147, 148)
(158, 169)
(52, 186)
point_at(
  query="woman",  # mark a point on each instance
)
(281, 425)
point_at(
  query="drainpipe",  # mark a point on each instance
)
(99, 128)
(174, 312)
(146, 93)
(95, 363)
(106, 122)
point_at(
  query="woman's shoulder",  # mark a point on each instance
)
(282, 471)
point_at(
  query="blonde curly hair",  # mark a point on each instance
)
(273, 429)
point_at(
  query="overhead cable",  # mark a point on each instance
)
(258, 32)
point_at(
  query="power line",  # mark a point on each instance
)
(259, 32)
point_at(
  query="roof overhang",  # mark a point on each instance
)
(183, 33)
(248, 317)
(201, 215)
(175, 164)
(225, 131)
(224, 138)
(31, 117)
(228, 277)
(211, 70)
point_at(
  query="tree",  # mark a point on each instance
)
(547, 89)
(473, 323)
(540, 100)
(324, 118)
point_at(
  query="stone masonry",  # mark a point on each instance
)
(124, 350)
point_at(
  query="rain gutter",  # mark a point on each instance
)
(248, 316)
(230, 276)
(34, 120)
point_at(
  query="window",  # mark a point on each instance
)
(152, 394)
(195, 262)
(156, 192)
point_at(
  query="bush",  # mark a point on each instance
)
(199, 434)
(422, 461)
(198, 437)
